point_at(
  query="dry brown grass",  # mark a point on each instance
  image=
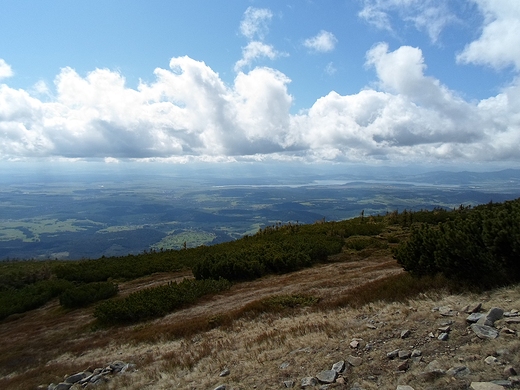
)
(264, 340)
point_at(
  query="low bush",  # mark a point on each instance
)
(31, 296)
(481, 247)
(86, 294)
(157, 301)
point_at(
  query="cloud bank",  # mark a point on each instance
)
(189, 113)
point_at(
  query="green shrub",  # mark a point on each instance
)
(360, 243)
(31, 296)
(157, 301)
(86, 294)
(482, 246)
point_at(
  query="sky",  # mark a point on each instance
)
(383, 82)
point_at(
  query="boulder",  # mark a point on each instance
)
(327, 376)
(492, 315)
(484, 331)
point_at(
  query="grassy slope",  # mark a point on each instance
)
(252, 334)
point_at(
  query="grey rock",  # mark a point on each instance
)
(128, 367)
(513, 320)
(75, 378)
(474, 317)
(447, 311)
(404, 354)
(509, 371)
(117, 365)
(339, 367)
(484, 331)
(63, 386)
(327, 376)
(485, 386)
(433, 370)
(96, 378)
(393, 354)
(221, 387)
(492, 315)
(403, 366)
(515, 380)
(458, 371)
(309, 381)
(354, 361)
(491, 360)
(443, 336)
(504, 383)
(405, 333)
(416, 353)
(404, 387)
(288, 384)
(224, 372)
(284, 365)
(473, 308)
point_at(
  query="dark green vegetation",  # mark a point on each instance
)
(275, 249)
(88, 215)
(86, 294)
(480, 246)
(157, 301)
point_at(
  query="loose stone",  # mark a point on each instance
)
(327, 376)
(309, 381)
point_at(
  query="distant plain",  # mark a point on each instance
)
(75, 215)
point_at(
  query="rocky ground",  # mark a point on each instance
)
(434, 341)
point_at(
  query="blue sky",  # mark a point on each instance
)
(360, 81)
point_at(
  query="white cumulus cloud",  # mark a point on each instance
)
(499, 43)
(5, 70)
(323, 42)
(188, 112)
(255, 50)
